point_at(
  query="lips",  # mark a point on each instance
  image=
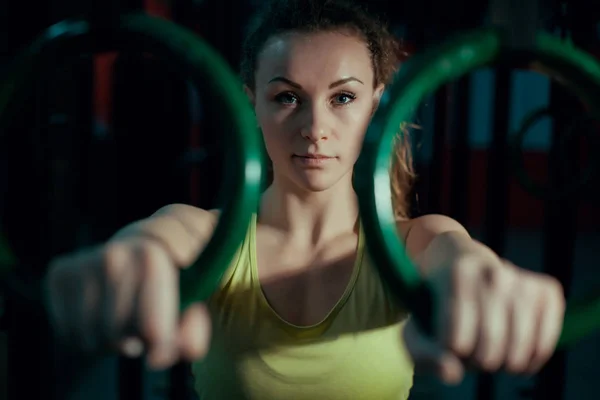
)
(314, 156)
(313, 160)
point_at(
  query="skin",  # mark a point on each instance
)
(314, 93)
(322, 107)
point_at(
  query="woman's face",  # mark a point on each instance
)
(314, 98)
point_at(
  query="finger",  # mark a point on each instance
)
(461, 311)
(67, 283)
(462, 326)
(121, 278)
(492, 337)
(430, 357)
(194, 333)
(58, 297)
(494, 319)
(550, 326)
(158, 306)
(89, 295)
(524, 317)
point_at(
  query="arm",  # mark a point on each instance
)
(490, 312)
(124, 295)
(433, 240)
(183, 230)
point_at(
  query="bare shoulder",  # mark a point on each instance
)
(435, 223)
(417, 233)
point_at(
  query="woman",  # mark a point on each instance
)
(302, 313)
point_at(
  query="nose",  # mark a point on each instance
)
(315, 128)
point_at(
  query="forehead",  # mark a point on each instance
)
(311, 57)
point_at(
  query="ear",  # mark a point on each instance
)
(250, 93)
(377, 97)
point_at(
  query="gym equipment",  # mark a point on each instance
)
(195, 59)
(420, 76)
(580, 124)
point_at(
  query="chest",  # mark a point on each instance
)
(303, 286)
(364, 365)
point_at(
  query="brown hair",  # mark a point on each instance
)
(281, 16)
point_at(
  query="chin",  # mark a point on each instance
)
(317, 182)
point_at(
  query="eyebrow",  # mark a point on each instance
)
(331, 86)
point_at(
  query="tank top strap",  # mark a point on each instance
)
(240, 259)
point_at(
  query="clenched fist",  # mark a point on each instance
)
(124, 295)
(491, 315)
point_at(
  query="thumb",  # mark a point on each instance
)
(430, 357)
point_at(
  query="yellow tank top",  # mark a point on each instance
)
(356, 352)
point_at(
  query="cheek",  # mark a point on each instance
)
(271, 117)
(278, 126)
(275, 143)
(355, 127)
(275, 136)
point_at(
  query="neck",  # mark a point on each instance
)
(310, 217)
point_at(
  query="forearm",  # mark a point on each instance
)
(182, 230)
(448, 248)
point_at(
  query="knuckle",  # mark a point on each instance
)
(490, 361)
(115, 254)
(120, 257)
(156, 333)
(152, 334)
(528, 288)
(562, 305)
(462, 348)
(491, 351)
(147, 252)
(148, 256)
(493, 363)
(114, 260)
(543, 288)
(516, 364)
(555, 295)
(498, 280)
(505, 280)
(466, 265)
(554, 287)
(463, 270)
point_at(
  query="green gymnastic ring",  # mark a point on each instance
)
(422, 75)
(545, 192)
(197, 59)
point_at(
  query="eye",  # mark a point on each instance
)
(344, 98)
(286, 98)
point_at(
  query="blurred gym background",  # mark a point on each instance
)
(109, 138)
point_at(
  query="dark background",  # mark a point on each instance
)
(106, 139)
